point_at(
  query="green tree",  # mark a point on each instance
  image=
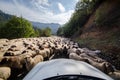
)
(46, 32)
(83, 10)
(60, 31)
(17, 28)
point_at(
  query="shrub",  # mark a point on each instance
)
(17, 28)
(46, 32)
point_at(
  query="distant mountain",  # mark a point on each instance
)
(54, 26)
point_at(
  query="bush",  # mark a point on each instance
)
(46, 32)
(17, 28)
(60, 31)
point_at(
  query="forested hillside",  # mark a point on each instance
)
(4, 16)
(96, 25)
(53, 26)
(83, 10)
(12, 27)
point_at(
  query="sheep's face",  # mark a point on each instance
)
(109, 67)
(28, 60)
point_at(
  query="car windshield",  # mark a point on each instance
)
(73, 77)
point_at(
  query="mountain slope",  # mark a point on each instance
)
(54, 26)
(102, 31)
(4, 16)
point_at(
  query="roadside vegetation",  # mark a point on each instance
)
(96, 24)
(83, 10)
(18, 27)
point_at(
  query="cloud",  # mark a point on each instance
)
(77, 0)
(43, 15)
(41, 2)
(61, 7)
(63, 17)
(9, 8)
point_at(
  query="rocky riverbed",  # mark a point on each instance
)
(19, 56)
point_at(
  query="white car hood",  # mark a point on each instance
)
(57, 67)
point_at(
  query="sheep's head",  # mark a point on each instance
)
(29, 63)
(28, 60)
(109, 67)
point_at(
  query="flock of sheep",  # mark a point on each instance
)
(25, 53)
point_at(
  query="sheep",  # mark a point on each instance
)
(13, 62)
(1, 79)
(94, 58)
(8, 53)
(29, 52)
(72, 50)
(115, 74)
(25, 44)
(45, 53)
(87, 51)
(57, 52)
(109, 67)
(103, 66)
(31, 62)
(46, 45)
(5, 73)
(12, 53)
(40, 47)
(38, 58)
(25, 49)
(81, 50)
(77, 57)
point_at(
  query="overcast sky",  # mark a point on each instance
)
(45, 11)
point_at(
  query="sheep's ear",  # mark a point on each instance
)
(26, 59)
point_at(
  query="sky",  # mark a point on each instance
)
(45, 11)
